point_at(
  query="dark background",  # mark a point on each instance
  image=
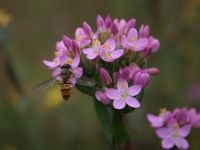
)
(40, 122)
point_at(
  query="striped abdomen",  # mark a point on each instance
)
(65, 89)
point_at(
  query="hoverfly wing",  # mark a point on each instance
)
(45, 85)
(85, 81)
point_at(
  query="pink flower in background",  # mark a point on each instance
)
(174, 135)
(124, 95)
(172, 127)
(160, 120)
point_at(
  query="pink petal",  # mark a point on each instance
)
(122, 84)
(132, 34)
(90, 53)
(163, 132)
(111, 43)
(56, 72)
(167, 143)
(124, 41)
(119, 104)
(141, 44)
(117, 53)
(134, 90)
(60, 46)
(185, 130)
(112, 93)
(84, 42)
(51, 64)
(133, 102)
(88, 50)
(77, 72)
(155, 120)
(76, 61)
(181, 143)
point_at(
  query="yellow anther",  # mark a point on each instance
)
(107, 55)
(69, 61)
(124, 95)
(132, 39)
(106, 46)
(96, 42)
(79, 37)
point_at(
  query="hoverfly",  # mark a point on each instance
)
(65, 84)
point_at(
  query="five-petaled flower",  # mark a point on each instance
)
(124, 95)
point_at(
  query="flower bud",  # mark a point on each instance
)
(153, 71)
(101, 96)
(114, 29)
(141, 78)
(67, 41)
(154, 44)
(108, 22)
(130, 24)
(144, 31)
(87, 29)
(100, 23)
(105, 76)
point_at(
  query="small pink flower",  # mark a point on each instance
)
(108, 52)
(174, 135)
(160, 120)
(124, 95)
(93, 52)
(132, 42)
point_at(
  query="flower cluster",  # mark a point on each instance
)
(173, 127)
(114, 55)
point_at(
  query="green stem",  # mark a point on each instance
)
(119, 131)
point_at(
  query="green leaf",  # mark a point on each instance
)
(86, 89)
(105, 117)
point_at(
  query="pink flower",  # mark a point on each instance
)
(160, 120)
(81, 37)
(132, 42)
(93, 51)
(174, 135)
(108, 52)
(124, 95)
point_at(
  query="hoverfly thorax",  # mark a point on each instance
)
(66, 71)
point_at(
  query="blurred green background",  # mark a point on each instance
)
(41, 122)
